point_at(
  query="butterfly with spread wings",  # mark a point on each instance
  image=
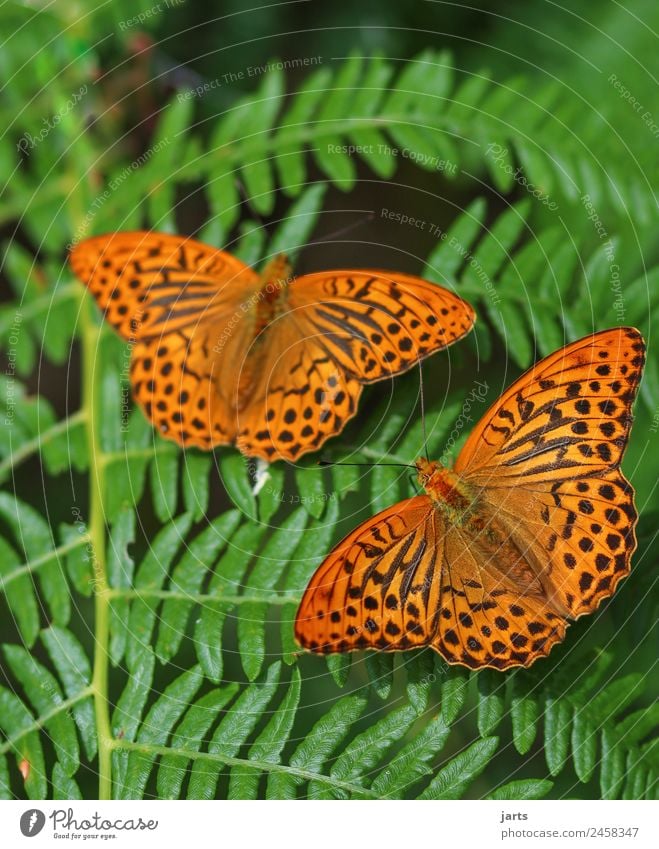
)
(533, 527)
(272, 363)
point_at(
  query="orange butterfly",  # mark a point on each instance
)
(534, 525)
(272, 363)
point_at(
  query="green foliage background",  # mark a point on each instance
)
(147, 595)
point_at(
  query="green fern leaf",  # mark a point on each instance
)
(232, 732)
(454, 778)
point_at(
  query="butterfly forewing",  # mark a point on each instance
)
(569, 415)
(378, 324)
(152, 284)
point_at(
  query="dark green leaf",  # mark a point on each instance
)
(188, 737)
(268, 745)
(412, 762)
(523, 788)
(156, 728)
(453, 779)
(232, 732)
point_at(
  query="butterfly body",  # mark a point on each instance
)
(487, 532)
(272, 363)
(261, 311)
(448, 491)
(533, 527)
(271, 300)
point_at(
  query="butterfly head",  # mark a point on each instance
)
(446, 488)
(426, 469)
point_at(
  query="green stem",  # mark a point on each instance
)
(32, 565)
(262, 766)
(41, 721)
(97, 534)
(374, 454)
(32, 446)
(50, 192)
(138, 453)
(202, 598)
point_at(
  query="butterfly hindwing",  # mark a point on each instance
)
(378, 588)
(297, 397)
(180, 390)
(494, 611)
(578, 533)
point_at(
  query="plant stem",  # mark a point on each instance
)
(151, 750)
(202, 598)
(32, 566)
(9, 744)
(32, 446)
(90, 339)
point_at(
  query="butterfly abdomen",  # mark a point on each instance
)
(269, 302)
(262, 309)
(276, 275)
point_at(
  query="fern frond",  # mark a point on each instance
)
(243, 737)
(55, 712)
(539, 289)
(586, 720)
(207, 694)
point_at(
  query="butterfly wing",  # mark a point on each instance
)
(151, 284)
(379, 587)
(376, 324)
(185, 387)
(294, 396)
(205, 371)
(550, 534)
(182, 305)
(494, 611)
(568, 415)
(339, 331)
(545, 460)
(407, 579)
(577, 535)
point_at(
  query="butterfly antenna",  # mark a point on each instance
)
(423, 412)
(252, 211)
(353, 226)
(368, 465)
